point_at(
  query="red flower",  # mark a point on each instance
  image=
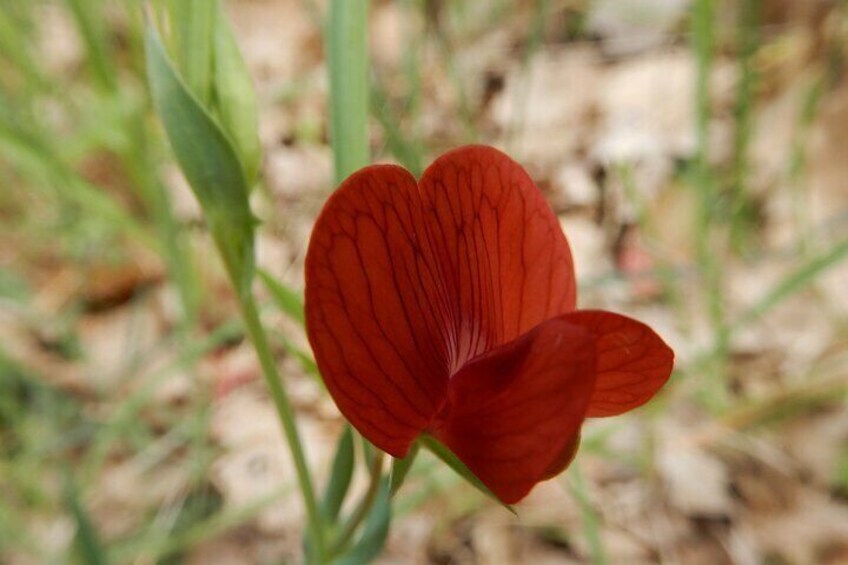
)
(447, 307)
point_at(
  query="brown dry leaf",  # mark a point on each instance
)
(114, 340)
(672, 236)
(574, 186)
(257, 464)
(634, 125)
(54, 533)
(813, 524)
(827, 167)
(408, 538)
(279, 39)
(184, 203)
(818, 442)
(302, 170)
(639, 138)
(798, 333)
(631, 26)
(61, 48)
(107, 285)
(391, 26)
(697, 482)
(492, 539)
(127, 491)
(222, 551)
(545, 111)
(588, 247)
(231, 369)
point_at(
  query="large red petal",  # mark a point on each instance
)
(513, 415)
(377, 309)
(506, 261)
(632, 363)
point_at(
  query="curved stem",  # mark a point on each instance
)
(286, 415)
(364, 505)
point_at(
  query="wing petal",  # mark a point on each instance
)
(632, 362)
(513, 415)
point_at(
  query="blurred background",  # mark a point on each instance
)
(696, 152)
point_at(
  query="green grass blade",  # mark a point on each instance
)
(87, 545)
(405, 150)
(797, 280)
(376, 530)
(590, 518)
(340, 477)
(16, 48)
(38, 162)
(401, 467)
(347, 54)
(288, 300)
(88, 18)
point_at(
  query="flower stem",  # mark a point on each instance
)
(286, 415)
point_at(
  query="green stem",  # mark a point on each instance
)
(286, 415)
(364, 505)
(703, 42)
(590, 517)
(748, 42)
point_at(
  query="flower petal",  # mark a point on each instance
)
(632, 361)
(513, 415)
(507, 264)
(376, 307)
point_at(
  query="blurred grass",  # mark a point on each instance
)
(741, 205)
(347, 45)
(51, 201)
(709, 254)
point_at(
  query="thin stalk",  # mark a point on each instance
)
(703, 41)
(798, 161)
(361, 511)
(748, 41)
(590, 517)
(286, 416)
(412, 56)
(90, 24)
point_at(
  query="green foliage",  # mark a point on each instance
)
(340, 476)
(347, 56)
(208, 161)
(286, 298)
(89, 549)
(210, 113)
(374, 534)
(236, 98)
(401, 468)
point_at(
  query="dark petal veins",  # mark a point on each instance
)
(506, 262)
(632, 364)
(376, 307)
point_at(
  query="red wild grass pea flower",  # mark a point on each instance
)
(446, 306)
